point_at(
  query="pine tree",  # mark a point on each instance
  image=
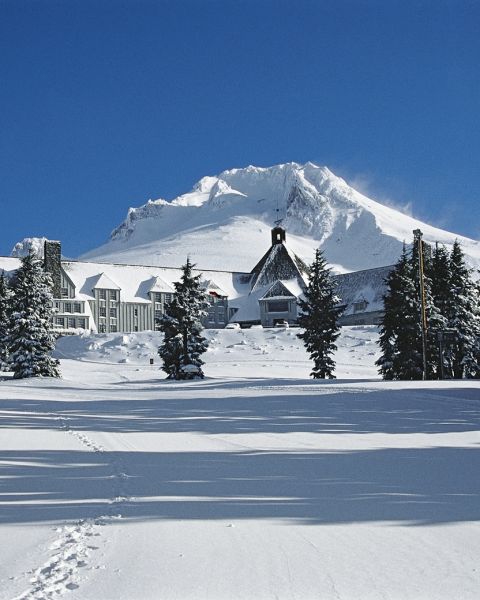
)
(319, 318)
(5, 305)
(183, 343)
(438, 281)
(462, 316)
(400, 330)
(435, 320)
(475, 372)
(30, 337)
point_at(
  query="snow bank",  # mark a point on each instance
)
(255, 352)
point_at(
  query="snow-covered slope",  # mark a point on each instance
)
(225, 221)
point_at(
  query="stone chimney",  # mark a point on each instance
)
(52, 263)
(278, 235)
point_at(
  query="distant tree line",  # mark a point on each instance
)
(452, 307)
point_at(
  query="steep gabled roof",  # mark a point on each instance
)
(211, 287)
(157, 284)
(103, 281)
(278, 263)
(278, 290)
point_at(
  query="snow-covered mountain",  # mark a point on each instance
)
(225, 221)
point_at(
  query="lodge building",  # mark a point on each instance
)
(108, 297)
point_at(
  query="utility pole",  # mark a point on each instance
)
(423, 314)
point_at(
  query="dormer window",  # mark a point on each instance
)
(360, 306)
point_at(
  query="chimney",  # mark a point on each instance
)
(52, 264)
(278, 235)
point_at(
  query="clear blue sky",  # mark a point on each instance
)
(105, 104)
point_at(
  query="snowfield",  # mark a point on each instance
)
(254, 483)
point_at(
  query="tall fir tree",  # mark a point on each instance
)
(400, 329)
(438, 277)
(5, 307)
(435, 320)
(183, 343)
(30, 337)
(462, 316)
(319, 318)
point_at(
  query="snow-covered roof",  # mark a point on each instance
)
(368, 285)
(159, 285)
(136, 281)
(211, 287)
(282, 289)
(104, 281)
(278, 263)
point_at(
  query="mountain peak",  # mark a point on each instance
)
(224, 222)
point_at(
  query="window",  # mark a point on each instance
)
(360, 306)
(57, 306)
(102, 294)
(64, 292)
(102, 311)
(211, 315)
(81, 323)
(113, 312)
(167, 297)
(67, 307)
(158, 314)
(113, 328)
(135, 312)
(77, 307)
(113, 320)
(113, 294)
(277, 306)
(102, 328)
(157, 296)
(158, 306)
(60, 321)
(71, 322)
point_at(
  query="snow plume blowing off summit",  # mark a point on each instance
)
(224, 223)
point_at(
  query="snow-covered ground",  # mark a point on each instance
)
(253, 483)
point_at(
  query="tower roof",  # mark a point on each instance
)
(278, 263)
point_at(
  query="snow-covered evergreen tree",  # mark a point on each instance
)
(319, 318)
(30, 336)
(438, 281)
(435, 320)
(462, 316)
(183, 343)
(5, 306)
(400, 331)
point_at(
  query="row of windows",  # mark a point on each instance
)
(69, 307)
(157, 297)
(218, 312)
(102, 328)
(112, 294)
(71, 322)
(102, 311)
(277, 306)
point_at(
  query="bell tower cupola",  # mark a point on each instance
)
(278, 235)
